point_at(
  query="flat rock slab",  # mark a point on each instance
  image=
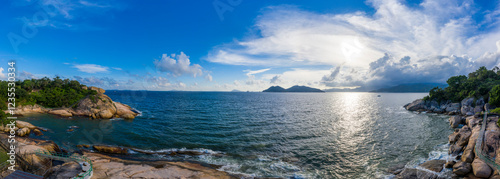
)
(434, 165)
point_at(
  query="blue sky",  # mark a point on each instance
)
(222, 45)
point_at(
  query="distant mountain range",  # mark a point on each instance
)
(295, 88)
(411, 88)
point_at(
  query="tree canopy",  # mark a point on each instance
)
(477, 84)
(46, 92)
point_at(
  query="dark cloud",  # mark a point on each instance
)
(275, 80)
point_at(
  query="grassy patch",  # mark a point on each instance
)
(3, 156)
(496, 111)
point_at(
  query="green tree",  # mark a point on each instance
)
(495, 96)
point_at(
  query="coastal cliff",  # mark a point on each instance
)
(95, 106)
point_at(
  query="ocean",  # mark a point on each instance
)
(291, 135)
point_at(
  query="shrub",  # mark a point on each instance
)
(495, 96)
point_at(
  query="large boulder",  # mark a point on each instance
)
(396, 169)
(37, 132)
(111, 149)
(492, 138)
(481, 169)
(99, 90)
(97, 106)
(461, 138)
(23, 124)
(418, 104)
(61, 112)
(467, 108)
(455, 121)
(453, 107)
(449, 164)
(478, 109)
(472, 121)
(462, 168)
(412, 173)
(434, 165)
(468, 154)
(23, 132)
(465, 134)
(124, 111)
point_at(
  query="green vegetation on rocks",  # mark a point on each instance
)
(46, 92)
(481, 83)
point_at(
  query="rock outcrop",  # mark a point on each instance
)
(110, 167)
(61, 112)
(462, 168)
(455, 121)
(467, 107)
(110, 149)
(480, 169)
(98, 106)
(22, 129)
(27, 146)
(434, 165)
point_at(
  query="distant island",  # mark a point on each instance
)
(295, 88)
(411, 88)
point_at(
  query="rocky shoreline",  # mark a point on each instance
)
(105, 166)
(467, 121)
(98, 106)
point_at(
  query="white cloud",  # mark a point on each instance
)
(178, 65)
(250, 72)
(90, 68)
(116, 68)
(158, 82)
(91, 4)
(2, 75)
(396, 44)
(208, 77)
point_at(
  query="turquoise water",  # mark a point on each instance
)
(301, 135)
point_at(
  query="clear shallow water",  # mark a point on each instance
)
(303, 135)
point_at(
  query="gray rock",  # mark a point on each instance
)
(468, 155)
(66, 170)
(467, 108)
(452, 138)
(480, 102)
(455, 149)
(434, 165)
(418, 104)
(407, 173)
(453, 107)
(478, 109)
(449, 164)
(455, 121)
(465, 134)
(396, 169)
(467, 101)
(411, 173)
(462, 168)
